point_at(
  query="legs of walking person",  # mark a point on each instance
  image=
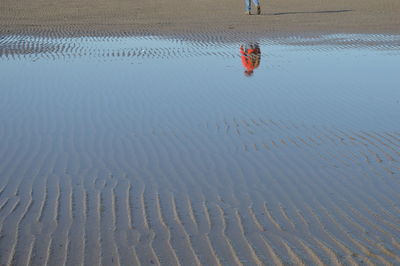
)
(257, 4)
(248, 5)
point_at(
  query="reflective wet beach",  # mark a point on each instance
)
(156, 151)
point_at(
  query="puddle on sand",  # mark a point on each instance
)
(172, 151)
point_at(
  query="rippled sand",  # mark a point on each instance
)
(129, 151)
(196, 19)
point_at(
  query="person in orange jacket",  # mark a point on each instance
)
(251, 57)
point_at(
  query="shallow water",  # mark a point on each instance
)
(155, 151)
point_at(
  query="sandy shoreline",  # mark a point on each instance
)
(197, 19)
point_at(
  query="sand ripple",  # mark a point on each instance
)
(88, 179)
(260, 202)
(175, 46)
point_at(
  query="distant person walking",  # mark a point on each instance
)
(248, 6)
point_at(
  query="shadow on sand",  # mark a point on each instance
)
(310, 12)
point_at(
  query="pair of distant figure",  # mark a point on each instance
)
(248, 6)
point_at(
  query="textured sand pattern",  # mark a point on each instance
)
(114, 175)
(106, 48)
(193, 19)
(253, 203)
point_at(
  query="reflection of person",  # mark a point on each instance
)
(248, 6)
(251, 57)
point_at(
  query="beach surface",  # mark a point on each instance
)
(197, 19)
(143, 150)
(144, 133)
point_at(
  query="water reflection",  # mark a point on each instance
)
(251, 57)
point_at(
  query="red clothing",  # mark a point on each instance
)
(248, 58)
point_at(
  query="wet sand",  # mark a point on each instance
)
(139, 151)
(105, 163)
(194, 19)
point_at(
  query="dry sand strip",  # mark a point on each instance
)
(196, 18)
